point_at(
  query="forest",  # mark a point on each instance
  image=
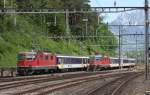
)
(24, 32)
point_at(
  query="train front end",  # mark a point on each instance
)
(98, 62)
(25, 62)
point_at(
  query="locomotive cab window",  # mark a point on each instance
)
(92, 58)
(21, 56)
(30, 56)
(26, 56)
(96, 57)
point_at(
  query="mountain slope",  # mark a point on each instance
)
(129, 32)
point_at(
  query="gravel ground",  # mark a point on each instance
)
(137, 86)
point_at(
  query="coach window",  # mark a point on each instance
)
(84, 61)
(113, 61)
(116, 61)
(125, 61)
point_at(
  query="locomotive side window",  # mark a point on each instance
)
(46, 57)
(51, 57)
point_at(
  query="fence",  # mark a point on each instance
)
(7, 72)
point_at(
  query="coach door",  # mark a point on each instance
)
(60, 62)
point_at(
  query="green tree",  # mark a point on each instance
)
(35, 28)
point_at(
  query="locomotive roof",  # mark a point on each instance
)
(27, 52)
(33, 52)
(122, 58)
(65, 56)
(96, 55)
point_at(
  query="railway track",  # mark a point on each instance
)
(50, 76)
(22, 83)
(113, 87)
(53, 75)
(40, 79)
(44, 90)
(54, 82)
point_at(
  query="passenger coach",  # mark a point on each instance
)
(70, 63)
(125, 62)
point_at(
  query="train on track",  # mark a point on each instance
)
(43, 62)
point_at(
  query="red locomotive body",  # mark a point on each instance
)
(98, 61)
(29, 62)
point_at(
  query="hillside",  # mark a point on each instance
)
(23, 32)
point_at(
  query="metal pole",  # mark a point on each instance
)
(55, 20)
(120, 67)
(4, 3)
(86, 25)
(67, 25)
(146, 38)
(98, 20)
(80, 48)
(136, 51)
(67, 22)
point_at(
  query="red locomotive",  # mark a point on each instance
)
(99, 61)
(29, 62)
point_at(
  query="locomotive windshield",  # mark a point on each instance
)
(96, 57)
(27, 56)
(21, 56)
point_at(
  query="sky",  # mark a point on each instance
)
(119, 3)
